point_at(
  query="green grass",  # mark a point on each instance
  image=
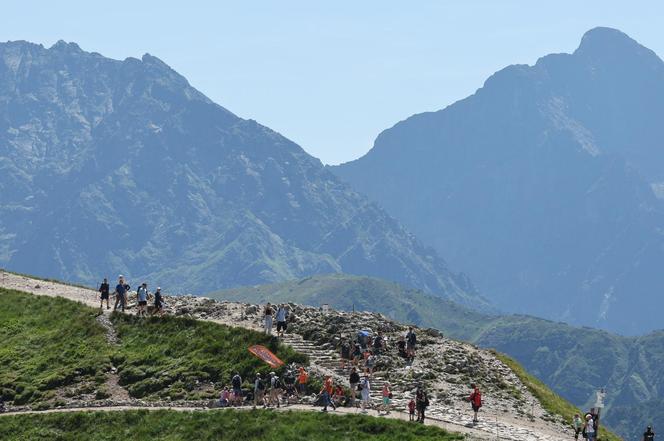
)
(551, 402)
(214, 425)
(53, 347)
(176, 357)
(47, 343)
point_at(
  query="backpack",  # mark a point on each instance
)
(261, 385)
(476, 399)
(277, 384)
(237, 382)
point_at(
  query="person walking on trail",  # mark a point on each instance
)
(104, 291)
(590, 429)
(236, 382)
(411, 343)
(282, 324)
(649, 435)
(302, 379)
(268, 313)
(354, 381)
(387, 397)
(378, 343)
(411, 410)
(365, 393)
(345, 353)
(357, 354)
(577, 425)
(275, 390)
(421, 403)
(475, 399)
(158, 302)
(121, 293)
(326, 393)
(142, 296)
(259, 391)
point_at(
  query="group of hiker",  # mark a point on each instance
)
(121, 294)
(278, 313)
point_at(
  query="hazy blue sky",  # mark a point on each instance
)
(330, 76)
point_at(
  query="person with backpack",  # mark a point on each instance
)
(326, 392)
(158, 302)
(354, 381)
(267, 318)
(282, 324)
(142, 298)
(276, 388)
(649, 435)
(590, 428)
(259, 391)
(104, 291)
(370, 363)
(121, 293)
(365, 393)
(345, 353)
(475, 401)
(357, 354)
(421, 403)
(411, 343)
(236, 382)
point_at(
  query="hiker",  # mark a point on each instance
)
(357, 354)
(370, 363)
(259, 391)
(590, 429)
(365, 386)
(411, 410)
(326, 392)
(421, 403)
(104, 290)
(387, 396)
(378, 343)
(411, 343)
(401, 346)
(224, 398)
(577, 425)
(649, 435)
(142, 297)
(267, 318)
(282, 324)
(475, 401)
(354, 380)
(302, 379)
(289, 386)
(158, 302)
(121, 293)
(236, 382)
(345, 353)
(275, 389)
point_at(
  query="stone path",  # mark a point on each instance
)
(325, 361)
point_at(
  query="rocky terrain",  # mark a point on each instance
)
(443, 366)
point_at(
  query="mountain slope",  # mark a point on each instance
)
(575, 362)
(540, 185)
(122, 167)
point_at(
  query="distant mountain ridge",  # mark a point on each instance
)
(114, 166)
(540, 185)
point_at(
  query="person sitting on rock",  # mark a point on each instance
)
(475, 401)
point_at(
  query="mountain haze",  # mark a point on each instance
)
(114, 166)
(543, 186)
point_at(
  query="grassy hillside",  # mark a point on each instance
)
(573, 361)
(47, 343)
(54, 347)
(214, 425)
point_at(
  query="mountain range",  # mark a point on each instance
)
(112, 167)
(545, 186)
